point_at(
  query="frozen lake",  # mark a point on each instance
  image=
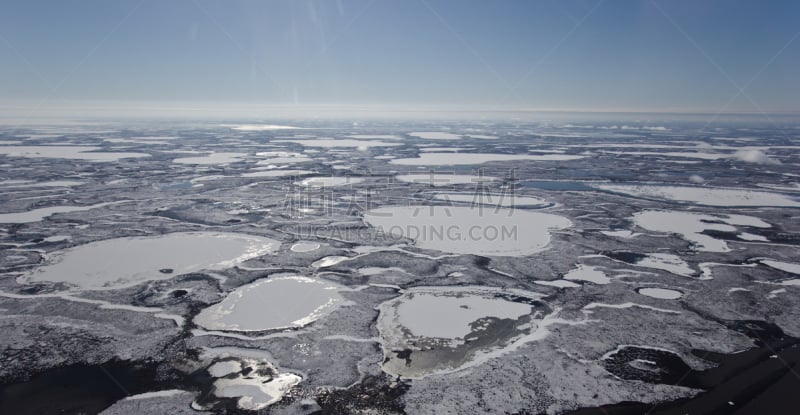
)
(274, 303)
(469, 230)
(124, 262)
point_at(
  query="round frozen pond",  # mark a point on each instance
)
(125, 262)
(431, 330)
(274, 303)
(468, 230)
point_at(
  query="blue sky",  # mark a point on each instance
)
(677, 55)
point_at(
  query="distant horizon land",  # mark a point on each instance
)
(253, 112)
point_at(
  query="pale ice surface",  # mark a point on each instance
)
(305, 247)
(261, 127)
(87, 153)
(621, 234)
(281, 157)
(38, 214)
(435, 135)
(256, 392)
(224, 368)
(559, 283)
(330, 181)
(469, 230)
(6, 184)
(375, 136)
(674, 154)
(213, 158)
(450, 159)
(442, 179)
(448, 316)
(339, 142)
(274, 303)
(158, 394)
(125, 262)
(276, 173)
(329, 261)
(774, 293)
(783, 266)
(490, 199)
(704, 195)
(752, 237)
(448, 329)
(443, 149)
(667, 262)
(661, 293)
(690, 226)
(587, 273)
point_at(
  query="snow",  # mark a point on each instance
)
(661, 293)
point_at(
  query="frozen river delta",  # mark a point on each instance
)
(396, 268)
